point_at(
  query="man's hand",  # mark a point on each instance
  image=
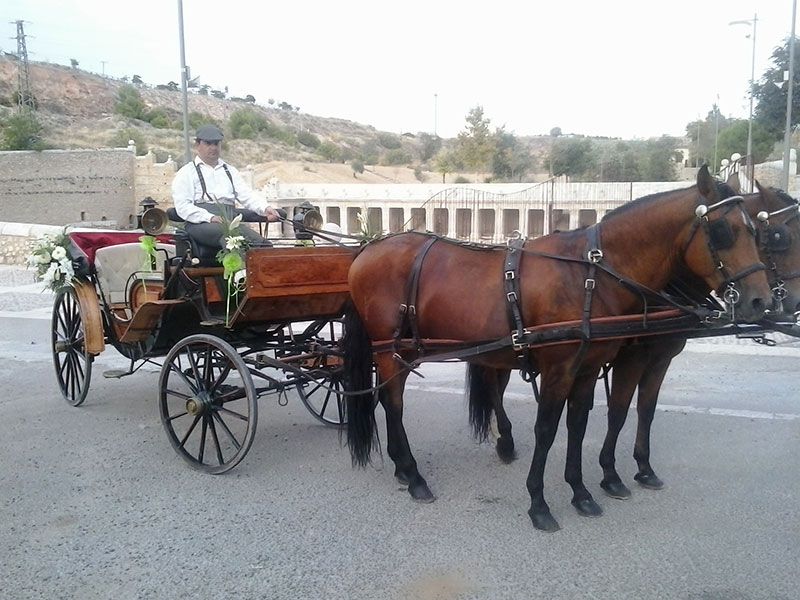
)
(272, 214)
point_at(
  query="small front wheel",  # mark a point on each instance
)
(72, 361)
(207, 403)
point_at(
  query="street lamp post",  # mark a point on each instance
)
(787, 133)
(752, 22)
(184, 85)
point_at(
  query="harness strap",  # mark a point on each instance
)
(408, 311)
(203, 183)
(512, 289)
(594, 254)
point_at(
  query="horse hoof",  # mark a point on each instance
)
(421, 493)
(587, 507)
(616, 489)
(649, 481)
(506, 451)
(544, 521)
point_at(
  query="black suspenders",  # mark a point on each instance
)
(203, 183)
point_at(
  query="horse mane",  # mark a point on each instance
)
(723, 189)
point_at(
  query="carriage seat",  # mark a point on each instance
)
(207, 255)
(116, 266)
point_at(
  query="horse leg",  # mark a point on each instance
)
(397, 446)
(628, 370)
(505, 441)
(578, 407)
(484, 389)
(548, 414)
(649, 387)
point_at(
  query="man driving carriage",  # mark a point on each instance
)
(206, 191)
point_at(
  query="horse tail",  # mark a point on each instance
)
(357, 348)
(479, 388)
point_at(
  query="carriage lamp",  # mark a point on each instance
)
(306, 217)
(146, 205)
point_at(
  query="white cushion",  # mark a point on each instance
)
(115, 264)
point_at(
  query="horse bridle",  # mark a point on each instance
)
(719, 236)
(776, 238)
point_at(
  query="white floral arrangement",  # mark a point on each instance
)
(52, 261)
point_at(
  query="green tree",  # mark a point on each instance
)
(73, 63)
(445, 162)
(357, 166)
(21, 131)
(121, 138)
(771, 91)
(734, 140)
(475, 145)
(573, 157)
(130, 103)
(656, 159)
(707, 131)
(308, 139)
(429, 146)
(511, 160)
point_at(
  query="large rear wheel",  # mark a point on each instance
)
(72, 361)
(207, 403)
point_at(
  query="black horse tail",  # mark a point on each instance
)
(479, 387)
(362, 434)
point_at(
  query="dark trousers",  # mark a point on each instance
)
(213, 234)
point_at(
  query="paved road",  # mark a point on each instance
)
(95, 504)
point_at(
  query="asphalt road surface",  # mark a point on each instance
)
(94, 503)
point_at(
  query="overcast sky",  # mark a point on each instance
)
(619, 68)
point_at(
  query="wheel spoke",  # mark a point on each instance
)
(177, 416)
(189, 432)
(203, 440)
(232, 396)
(233, 414)
(177, 370)
(224, 426)
(216, 441)
(177, 394)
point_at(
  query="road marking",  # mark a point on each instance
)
(721, 412)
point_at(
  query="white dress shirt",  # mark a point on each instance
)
(187, 191)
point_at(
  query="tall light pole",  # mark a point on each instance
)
(184, 85)
(752, 22)
(435, 114)
(787, 133)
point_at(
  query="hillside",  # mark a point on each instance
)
(77, 110)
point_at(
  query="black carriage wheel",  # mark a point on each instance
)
(207, 403)
(72, 362)
(320, 392)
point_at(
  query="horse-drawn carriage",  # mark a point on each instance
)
(342, 324)
(220, 348)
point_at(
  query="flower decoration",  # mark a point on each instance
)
(231, 257)
(51, 258)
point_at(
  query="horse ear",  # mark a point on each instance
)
(733, 182)
(705, 183)
(760, 187)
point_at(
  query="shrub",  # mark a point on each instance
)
(397, 156)
(246, 123)
(308, 139)
(389, 141)
(461, 179)
(328, 151)
(357, 166)
(121, 138)
(21, 131)
(130, 103)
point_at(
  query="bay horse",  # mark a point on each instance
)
(411, 288)
(643, 363)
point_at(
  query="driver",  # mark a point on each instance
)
(207, 189)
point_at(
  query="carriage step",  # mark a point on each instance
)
(116, 373)
(212, 322)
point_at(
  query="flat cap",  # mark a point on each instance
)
(209, 133)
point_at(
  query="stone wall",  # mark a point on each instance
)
(55, 187)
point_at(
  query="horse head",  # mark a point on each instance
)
(721, 249)
(779, 245)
